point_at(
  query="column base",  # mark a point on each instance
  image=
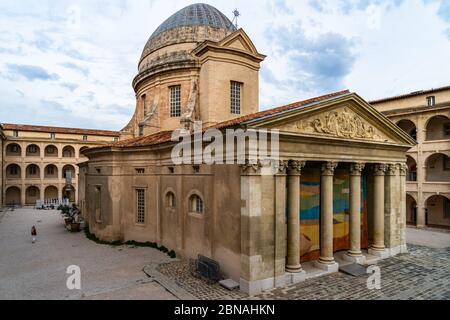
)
(397, 250)
(293, 278)
(359, 259)
(257, 286)
(294, 269)
(383, 254)
(328, 267)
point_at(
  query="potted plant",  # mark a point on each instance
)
(75, 225)
(66, 212)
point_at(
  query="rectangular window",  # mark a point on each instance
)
(447, 209)
(85, 138)
(98, 204)
(236, 89)
(446, 163)
(140, 206)
(50, 170)
(15, 133)
(116, 139)
(144, 103)
(447, 130)
(33, 170)
(13, 170)
(52, 136)
(175, 101)
(141, 130)
(431, 101)
(140, 170)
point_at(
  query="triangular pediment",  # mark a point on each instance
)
(346, 118)
(239, 40)
(237, 43)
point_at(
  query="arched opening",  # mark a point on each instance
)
(12, 196)
(409, 127)
(51, 172)
(438, 211)
(32, 195)
(411, 210)
(170, 200)
(33, 151)
(438, 168)
(196, 204)
(82, 149)
(51, 193)
(438, 128)
(13, 150)
(68, 152)
(412, 169)
(33, 172)
(13, 171)
(68, 173)
(51, 151)
(68, 192)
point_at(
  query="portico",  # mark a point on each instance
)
(343, 195)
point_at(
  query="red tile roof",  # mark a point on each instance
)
(23, 127)
(409, 95)
(165, 136)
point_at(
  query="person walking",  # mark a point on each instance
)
(33, 234)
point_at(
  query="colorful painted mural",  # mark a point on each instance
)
(310, 213)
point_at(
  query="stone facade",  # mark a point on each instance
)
(246, 215)
(425, 115)
(35, 161)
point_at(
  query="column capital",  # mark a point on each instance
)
(251, 166)
(280, 166)
(357, 168)
(295, 167)
(403, 169)
(380, 169)
(391, 169)
(328, 168)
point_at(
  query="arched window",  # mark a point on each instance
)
(33, 150)
(170, 200)
(196, 204)
(68, 152)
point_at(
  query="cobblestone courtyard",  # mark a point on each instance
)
(38, 271)
(421, 274)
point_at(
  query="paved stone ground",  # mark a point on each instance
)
(38, 271)
(428, 237)
(179, 272)
(424, 273)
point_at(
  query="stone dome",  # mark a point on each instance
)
(186, 26)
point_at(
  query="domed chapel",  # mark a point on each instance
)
(337, 192)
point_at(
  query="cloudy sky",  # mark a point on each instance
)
(71, 63)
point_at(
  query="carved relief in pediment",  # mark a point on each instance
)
(342, 123)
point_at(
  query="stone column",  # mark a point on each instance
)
(378, 247)
(326, 260)
(355, 254)
(403, 168)
(293, 220)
